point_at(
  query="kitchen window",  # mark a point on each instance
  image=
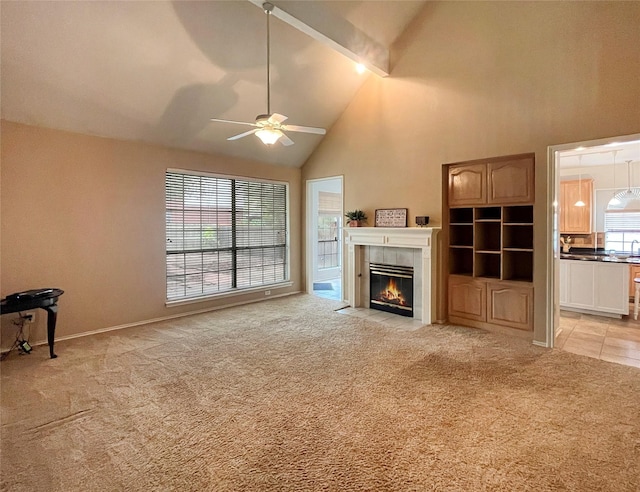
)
(224, 234)
(622, 228)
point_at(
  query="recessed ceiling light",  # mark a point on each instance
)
(360, 68)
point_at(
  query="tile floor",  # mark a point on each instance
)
(335, 292)
(610, 339)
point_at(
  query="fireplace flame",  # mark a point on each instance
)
(392, 294)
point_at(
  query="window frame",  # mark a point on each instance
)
(235, 291)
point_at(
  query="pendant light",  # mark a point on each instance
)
(629, 199)
(614, 200)
(579, 203)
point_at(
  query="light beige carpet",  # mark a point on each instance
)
(289, 395)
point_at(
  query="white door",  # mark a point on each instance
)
(324, 237)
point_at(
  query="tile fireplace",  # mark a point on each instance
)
(412, 247)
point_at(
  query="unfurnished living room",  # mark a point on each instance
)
(320, 245)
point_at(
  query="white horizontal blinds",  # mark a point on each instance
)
(261, 234)
(329, 203)
(206, 240)
(621, 229)
(622, 221)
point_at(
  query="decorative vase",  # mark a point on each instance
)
(354, 223)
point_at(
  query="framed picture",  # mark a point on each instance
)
(391, 217)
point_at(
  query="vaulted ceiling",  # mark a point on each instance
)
(158, 71)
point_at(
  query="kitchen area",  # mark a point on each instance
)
(599, 236)
(599, 227)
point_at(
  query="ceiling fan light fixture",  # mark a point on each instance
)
(268, 136)
(269, 125)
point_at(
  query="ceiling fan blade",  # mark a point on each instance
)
(234, 122)
(305, 129)
(286, 141)
(277, 118)
(236, 137)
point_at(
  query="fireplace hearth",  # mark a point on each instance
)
(391, 288)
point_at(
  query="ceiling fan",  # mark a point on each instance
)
(269, 127)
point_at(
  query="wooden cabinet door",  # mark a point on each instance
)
(575, 220)
(467, 298)
(510, 305)
(511, 182)
(467, 185)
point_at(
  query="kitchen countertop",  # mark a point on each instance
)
(622, 258)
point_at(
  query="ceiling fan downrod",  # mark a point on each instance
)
(268, 8)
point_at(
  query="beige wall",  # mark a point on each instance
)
(482, 79)
(86, 214)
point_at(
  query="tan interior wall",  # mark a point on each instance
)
(86, 214)
(480, 79)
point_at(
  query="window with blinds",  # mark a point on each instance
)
(622, 228)
(223, 234)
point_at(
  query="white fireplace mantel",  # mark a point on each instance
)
(422, 238)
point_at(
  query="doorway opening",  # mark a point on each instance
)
(578, 160)
(324, 237)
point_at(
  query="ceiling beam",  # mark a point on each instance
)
(335, 32)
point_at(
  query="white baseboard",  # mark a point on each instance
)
(540, 344)
(156, 320)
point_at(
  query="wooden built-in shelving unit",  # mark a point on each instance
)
(490, 241)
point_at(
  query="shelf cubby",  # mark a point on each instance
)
(487, 236)
(522, 214)
(488, 214)
(517, 236)
(461, 215)
(461, 261)
(487, 265)
(461, 235)
(517, 265)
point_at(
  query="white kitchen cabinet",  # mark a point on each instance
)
(564, 282)
(581, 284)
(594, 286)
(612, 287)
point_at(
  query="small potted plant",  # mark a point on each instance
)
(356, 218)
